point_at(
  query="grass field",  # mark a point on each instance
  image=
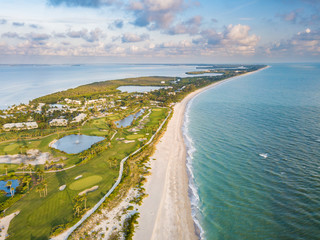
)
(134, 136)
(85, 182)
(40, 214)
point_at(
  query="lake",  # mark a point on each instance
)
(73, 144)
(128, 120)
(15, 184)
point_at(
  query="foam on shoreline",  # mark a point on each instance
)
(190, 150)
(193, 190)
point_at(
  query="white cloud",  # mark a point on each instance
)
(131, 37)
(155, 13)
(235, 39)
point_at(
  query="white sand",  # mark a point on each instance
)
(109, 221)
(77, 177)
(4, 224)
(34, 157)
(166, 212)
(94, 188)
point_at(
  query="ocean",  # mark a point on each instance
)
(21, 83)
(254, 155)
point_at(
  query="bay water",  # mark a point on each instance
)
(254, 155)
(22, 83)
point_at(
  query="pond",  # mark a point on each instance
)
(73, 144)
(140, 89)
(128, 120)
(15, 184)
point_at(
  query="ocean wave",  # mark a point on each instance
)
(193, 190)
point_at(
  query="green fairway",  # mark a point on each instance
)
(39, 215)
(11, 147)
(85, 182)
(134, 136)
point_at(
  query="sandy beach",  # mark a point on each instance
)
(166, 212)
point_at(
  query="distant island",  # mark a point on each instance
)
(94, 190)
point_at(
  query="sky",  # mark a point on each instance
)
(159, 31)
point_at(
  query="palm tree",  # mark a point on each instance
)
(77, 209)
(6, 168)
(22, 166)
(84, 199)
(9, 184)
(43, 188)
(30, 168)
(28, 180)
(41, 172)
(45, 183)
(12, 191)
(38, 189)
(47, 164)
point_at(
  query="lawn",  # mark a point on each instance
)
(85, 182)
(40, 214)
(135, 136)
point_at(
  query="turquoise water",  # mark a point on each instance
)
(73, 144)
(254, 149)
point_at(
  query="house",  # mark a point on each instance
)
(20, 126)
(58, 122)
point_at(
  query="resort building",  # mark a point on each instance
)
(39, 107)
(79, 118)
(20, 126)
(58, 122)
(70, 101)
(94, 101)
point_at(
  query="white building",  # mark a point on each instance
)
(19, 126)
(100, 100)
(70, 101)
(39, 108)
(58, 122)
(79, 118)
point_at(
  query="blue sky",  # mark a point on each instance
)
(172, 31)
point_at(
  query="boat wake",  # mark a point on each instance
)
(264, 155)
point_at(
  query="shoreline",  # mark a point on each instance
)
(167, 213)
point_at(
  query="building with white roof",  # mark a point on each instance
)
(20, 126)
(79, 118)
(58, 122)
